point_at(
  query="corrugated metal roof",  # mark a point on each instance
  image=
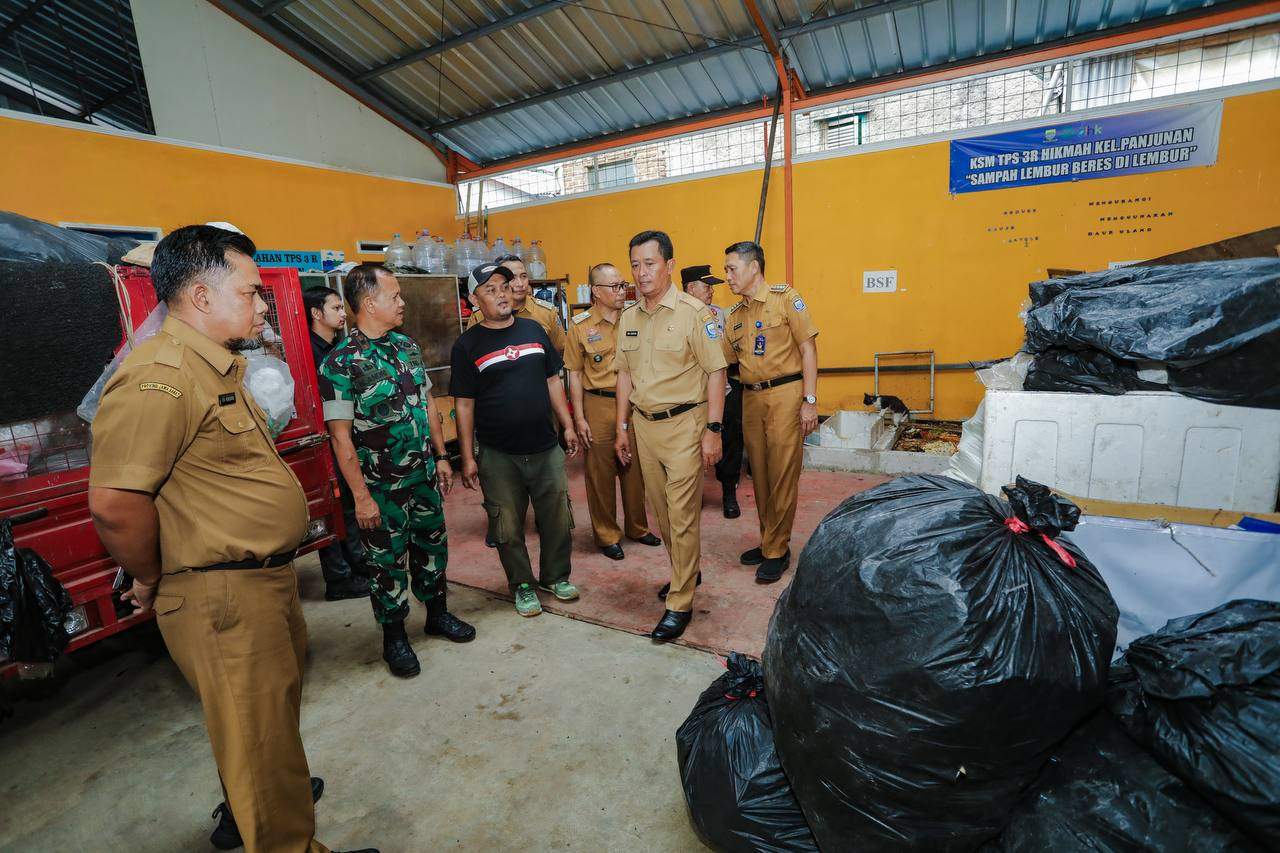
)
(570, 70)
(82, 57)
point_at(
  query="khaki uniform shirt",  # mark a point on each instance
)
(669, 351)
(176, 422)
(542, 313)
(766, 332)
(592, 341)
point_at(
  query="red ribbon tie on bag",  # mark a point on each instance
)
(1017, 525)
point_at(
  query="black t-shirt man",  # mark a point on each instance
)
(506, 372)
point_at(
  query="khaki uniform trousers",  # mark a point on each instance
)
(602, 472)
(240, 640)
(670, 453)
(775, 448)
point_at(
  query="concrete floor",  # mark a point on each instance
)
(543, 734)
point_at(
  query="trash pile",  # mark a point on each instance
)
(1209, 330)
(33, 605)
(939, 676)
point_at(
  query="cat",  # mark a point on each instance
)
(885, 402)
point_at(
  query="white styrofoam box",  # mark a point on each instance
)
(859, 430)
(1141, 447)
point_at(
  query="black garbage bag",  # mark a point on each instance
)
(33, 605)
(1213, 326)
(1102, 792)
(933, 648)
(1203, 695)
(30, 240)
(738, 796)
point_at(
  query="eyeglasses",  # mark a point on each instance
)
(616, 288)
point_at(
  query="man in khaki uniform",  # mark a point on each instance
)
(773, 337)
(527, 306)
(671, 374)
(588, 356)
(189, 495)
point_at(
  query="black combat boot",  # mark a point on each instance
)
(442, 623)
(226, 835)
(397, 652)
(730, 503)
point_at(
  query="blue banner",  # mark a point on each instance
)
(301, 260)
(1152, 141)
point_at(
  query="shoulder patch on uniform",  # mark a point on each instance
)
(712, 329)
(736, 306)
(544, 303)
(780, 288)
(581, 317)
(160, 386)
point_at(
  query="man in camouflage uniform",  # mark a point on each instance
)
(382, 420)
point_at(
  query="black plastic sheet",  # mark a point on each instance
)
(1102, 792)
(927, 658)
(738, 796)
(32, 241)
(1203, 695)
(33, 605)
(1213, 326)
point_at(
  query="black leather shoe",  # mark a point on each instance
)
(226, 835)
(397, 652)
(754, 557)
(613, 552)
(772, 568)
(346, 588)
(450, 627)
(648, 539)
(666, 588)
(731, 508)
(671, 625)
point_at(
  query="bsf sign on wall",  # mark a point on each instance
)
(880, 281)
(1150, 141)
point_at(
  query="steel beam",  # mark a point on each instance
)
(272, 8)
(464, 38)
(21, 19)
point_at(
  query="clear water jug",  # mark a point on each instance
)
(398, 254)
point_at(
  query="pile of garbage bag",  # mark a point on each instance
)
(737, 794)
(1208, 330)
(33, 604)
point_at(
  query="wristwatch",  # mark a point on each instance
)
(442, 457)
(716, 427)
(811, 399)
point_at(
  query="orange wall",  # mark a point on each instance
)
(65, 174)
(963, 262)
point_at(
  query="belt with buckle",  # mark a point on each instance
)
(772, 383)
(600, 392)
(275, 561)
(669, 413)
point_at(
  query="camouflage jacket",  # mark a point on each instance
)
(381, 387)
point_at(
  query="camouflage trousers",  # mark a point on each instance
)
(409, 550)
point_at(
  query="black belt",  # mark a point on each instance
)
(772, 383)
(275, 561)
(600, 392)
(669, 413)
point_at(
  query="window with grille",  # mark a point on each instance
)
(607, 175)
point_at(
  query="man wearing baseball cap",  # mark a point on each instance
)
(506, 385)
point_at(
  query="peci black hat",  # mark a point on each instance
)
(702, 273)
(481, 275)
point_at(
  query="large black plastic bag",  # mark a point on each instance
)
(1101, 791)
(30, 240)
(1213, 326)
(927, 658)
(33, 605)
(1203, 694)
(738, 796)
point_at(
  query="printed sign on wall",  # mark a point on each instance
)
(880, 281)
(1151, 141)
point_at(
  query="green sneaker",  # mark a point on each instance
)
(562, 590)
(527, 603)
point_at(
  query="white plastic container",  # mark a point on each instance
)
(1142, 447)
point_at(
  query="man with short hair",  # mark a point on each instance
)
(339, 561)
(525, 305)
(506, 386)
(698, 283)
(671, 372)
(773, 337)
(588, 355)
(190, 496)
(385, 425)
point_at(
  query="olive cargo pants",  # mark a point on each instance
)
(509, 483)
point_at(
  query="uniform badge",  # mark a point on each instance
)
(759, 325)
(737, 327)
(634, 333)
(798, 303)
(758, 349)
(593, 336)
(227, 399)
(160, 386)
(713, 331)
(597, 358)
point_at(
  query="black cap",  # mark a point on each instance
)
(688, 275)
(481, 275)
